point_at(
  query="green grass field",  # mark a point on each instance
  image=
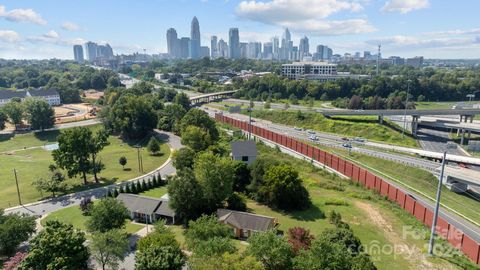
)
(74, 216)
(365, 127)
(155, 192)
(33, 164)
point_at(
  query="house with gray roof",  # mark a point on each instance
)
(245, 224)
(7, 95)
(51, 95)
(146, 209)
(245, 151)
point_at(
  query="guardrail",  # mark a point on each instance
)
(453, 235)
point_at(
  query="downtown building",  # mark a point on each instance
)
(320, 71)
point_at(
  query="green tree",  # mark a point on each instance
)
(55, 183)
(257, 172)
(74, 150)
(236, 201)
(344, 237)
(99, 141)
(153, 146)
(215, 176)
(169, 118)
(109, 248)
(3, 119)
(273, 251)
(107, 214)
(283, 189)
(196, 138)
(159, 258)
(204, 229)
(215, 246)
(15, 111)
(183, 100)
(226, 261)
(241, 176)
(39, 113)
(199, 118)
(186, 196)
(97, 82)
(14, 229)
(133, 116)
(323, 255)
(57, 246)
(122, 161)
(183, 158)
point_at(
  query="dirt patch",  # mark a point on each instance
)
(410, 252)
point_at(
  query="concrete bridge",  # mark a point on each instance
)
(210, 97)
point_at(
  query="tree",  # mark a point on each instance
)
(99, 141)
(86, 205)
(14, 262)
(157, 257)
(421, 98)
(183, 158)
(196, 138)
(153, 146)
(344, 237)
(122, 161)
(236, 201)
(273, 251)
(109, 248)
(14, 229)
(72, 155)
(39, 113)
(355, 103)
(14, 110)
(133, 116)
(257, 172)
(214, 246)
(205, 228)
(226, 261)
(97, 82)
(199, 118)
(170, 116)
(241, 176)
(323, 255)
(183, 100)
(3, 119)
(107, 214)
(57, 246)
(283, 189)
(215, 176)
(299, 238)
(55, 183)
(186, 196)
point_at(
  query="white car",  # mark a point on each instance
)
(313, 138)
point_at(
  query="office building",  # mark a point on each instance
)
(276, 47)
(195, 43)
(78, 53)
(184, 47)
(304, 47)
(104, 51)
(91, 51)
(287, 46)
(415, 61)
(204, 51)
(320, 71)
(254, 50)
(234, 43)
(243, 49)
(268, 50)
(223, 49)
(172, 43)
(214, 46)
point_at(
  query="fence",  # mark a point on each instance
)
(454, 236)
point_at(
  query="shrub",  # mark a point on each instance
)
(85, 205)
(337, 202)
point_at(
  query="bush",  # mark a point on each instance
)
(236, 201)
(337, 202)
(86, 205)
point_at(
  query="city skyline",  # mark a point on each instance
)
(49, 29)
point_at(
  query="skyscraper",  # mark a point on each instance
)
(91, 50)
(104, 51)
(287, 45)
(223, 49)
(195, 39)
(78, 53)
(304, 47)
(172, 43)
(214, 47)
(234, 43)
(268, 50)
(184, 47)
(276, 47)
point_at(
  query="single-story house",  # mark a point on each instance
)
(7, 95)
(49, 94)
(245, 224)
(147, 210)
(245, 151)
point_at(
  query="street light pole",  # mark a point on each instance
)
(18, 190)
(437, 205)
(405, 112)
(249, 123)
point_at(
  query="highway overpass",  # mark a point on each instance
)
(459, 112)
(205, 98)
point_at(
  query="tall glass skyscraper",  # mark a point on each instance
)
(234, 42)
(195, 39)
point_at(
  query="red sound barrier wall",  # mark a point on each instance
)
(456, 237)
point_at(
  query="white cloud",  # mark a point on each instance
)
(52, 37)
(69, 26)
(9, 36)
(22, 15)
(405, 6)
(51, 34)
(306, 16)
(281, 11)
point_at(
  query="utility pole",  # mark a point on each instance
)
(138, 157)
(437, 206)
(250, 123)
(18, 190)
(405, 112)
(378, 59)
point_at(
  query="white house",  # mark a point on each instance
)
(7, 95)
(50, 95)
(245, 151)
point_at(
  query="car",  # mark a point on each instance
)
(297, 128)
(347, 145)
(310, 132)
(345, 139)
(358, 139)
(313, 138)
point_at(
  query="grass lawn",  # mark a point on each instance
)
(73, 215)
(155, 192)
(440, 105)
(365, 127)
(33, 164)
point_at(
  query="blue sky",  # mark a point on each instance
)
(432, 28)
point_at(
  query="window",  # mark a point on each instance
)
(244, 158)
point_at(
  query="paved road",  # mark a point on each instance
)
(435, 141)
(51, 205)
